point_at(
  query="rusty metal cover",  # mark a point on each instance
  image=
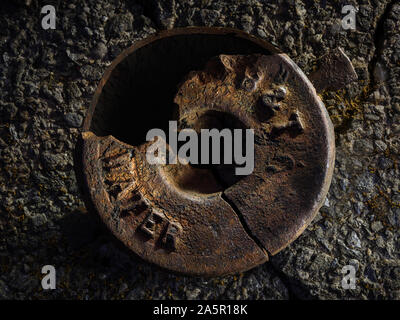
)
(206, 221)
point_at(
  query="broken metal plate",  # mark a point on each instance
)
(206, 221)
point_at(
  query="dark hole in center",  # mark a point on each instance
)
(224, 173)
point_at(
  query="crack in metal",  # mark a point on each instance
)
(244, 223)
(288, 282)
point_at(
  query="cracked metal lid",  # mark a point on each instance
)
(205, 220)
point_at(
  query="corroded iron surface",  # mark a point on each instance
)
(294, 143)
(206, 221)
(190, 234)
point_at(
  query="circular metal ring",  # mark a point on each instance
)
(206, 221)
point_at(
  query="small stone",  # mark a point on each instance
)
(356, 163)
(193, 294)
(379, 109)
(376, 226)
(13, 132)
(365, 182)
(73, 120)
(321, 262)
(300, 10)
(53, 161)
(393, 217)
(247, 23)
(289, 41)
(39, 219)
(363, 147)
(88, 31)
(54, 94)
(99, 51)
(90, 72)
(261, 33)
(370, 273)
(385, 163)
(380, 146)
(380, 242)
(73, 90)
(165, 13)
(358, 207)
(380, 74)
(353, 240)
(343, 183)
(372, 117)
(120, 23)
(209, 17)
(303, 274)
